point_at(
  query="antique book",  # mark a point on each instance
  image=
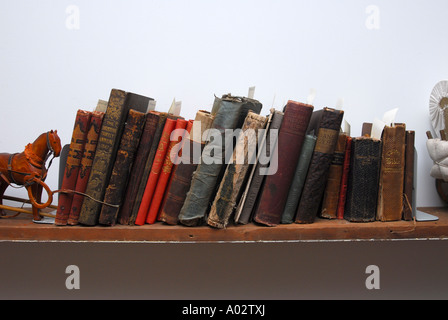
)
(86, 165)
(391, 184)
(231, 115)
(327, 138)
(72, 166)
(147, 169)
(244, 155)
(331, 194)
(138, 167)
(183, 173)
(164, 176)
(408, 204)
(363, 179)
(248, 202)
(122, 166)
(298, 181)
(120, 102)
(344, 179)
(155, 172)
(291, 135)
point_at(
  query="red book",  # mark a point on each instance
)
(344, 179)
(155, 171)
(73, 162)
(164, 177)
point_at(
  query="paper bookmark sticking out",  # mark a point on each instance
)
(251, 93)
(101, 106)
(347, 128)
(339, 104)
(151, 106)
(311, 97)
(378, 125)
(175, 108)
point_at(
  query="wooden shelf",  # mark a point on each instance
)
(22, 228)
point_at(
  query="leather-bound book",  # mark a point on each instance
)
(248, 202)
(327, 138)
(344, 179)
(86, 165)
(331, 193)
(408, 205)
(147, 170)
(244, 155)
(183, 172)
(298, 181)
(363, 179)
(120, 102)
(231, 115)
(291, 135)
(164, 176)
(138, 167)
(122, 167)
(390, 194)
(72, 165)
(155, 172)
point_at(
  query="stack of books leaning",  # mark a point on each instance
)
(129, 164)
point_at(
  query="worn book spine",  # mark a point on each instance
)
(148, 165)
(164, 176)
(183, 173)
(118, 107)
(123, 163)
(363, 179)
(344, 179)
(155, 172)
(289, 146)
(331, 193)
(296, 188)
(86, 165)
(244, 155)
(248, 202)
(408, 205)
(231, 114)
(72, 166)
(138, 167)
(390, 194)
(327, 138)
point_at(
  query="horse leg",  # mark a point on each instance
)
(3, 187)
(36, 191)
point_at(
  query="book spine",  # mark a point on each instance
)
(155, 172)
(290, 140)
(72, 165)
(344, 179)
(235, 175)
(331, 193)
(362, 190)
(86, 165)
(164, 176)
(123, 163)
(409, 176)
(248, 202)
(148, 165)
(390, 197)
(316, 179)
(299, 180)
(231, 114)
(138, 167)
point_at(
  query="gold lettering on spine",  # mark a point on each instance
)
(325, 139)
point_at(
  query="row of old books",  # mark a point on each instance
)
(120, 169)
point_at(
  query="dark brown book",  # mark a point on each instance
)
(344, 179)
(274, 194)
(363, 179)
(248, 202)
(408, 205)
(138, 167)
(123, 164)
(327, 138)
(331, 194)
(391, 184)
(183, 172)
(120, 102)
(72, 165)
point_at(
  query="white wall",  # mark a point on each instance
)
(191, 50)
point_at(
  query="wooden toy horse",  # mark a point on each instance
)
(28, 169)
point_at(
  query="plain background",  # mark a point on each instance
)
(60, 56)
